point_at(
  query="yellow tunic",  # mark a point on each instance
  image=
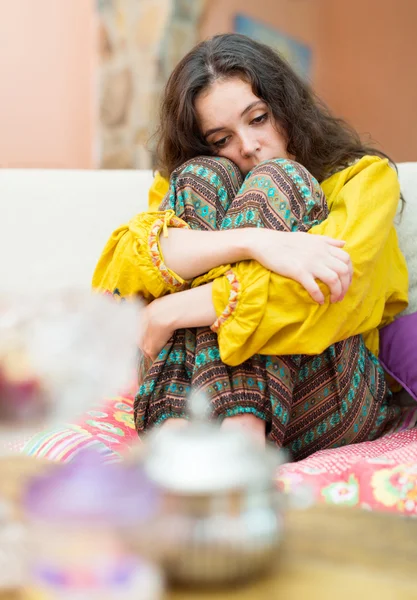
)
(275, 315)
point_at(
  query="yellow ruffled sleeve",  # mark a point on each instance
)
(132, 262)
(157, 191)
(261, 312)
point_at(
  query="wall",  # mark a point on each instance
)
(129, 35)
(364, 58)
(367, 69)
(297, 18)
(364, 65)
(140, 43)
(47, 83)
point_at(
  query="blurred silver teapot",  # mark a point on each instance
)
(221, 517)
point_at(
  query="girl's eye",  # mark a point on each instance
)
(259, 119)
(221, 143)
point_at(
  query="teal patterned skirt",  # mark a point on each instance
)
(308, 402)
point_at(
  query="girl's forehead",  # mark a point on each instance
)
(230, 86)
(225, 99)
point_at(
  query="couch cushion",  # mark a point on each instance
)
(108, 428)
(406, 223)
(398, 351)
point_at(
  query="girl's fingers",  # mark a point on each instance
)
(345, 280)
(312, 287)
(340, 267)
(344, 272)
(340, 254)
(331, 278)
(334, 242)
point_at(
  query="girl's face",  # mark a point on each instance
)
(238, 125)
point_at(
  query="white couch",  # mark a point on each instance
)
(54, 224)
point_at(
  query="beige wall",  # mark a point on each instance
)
(47, 83)
(367, 69)
(364, 58)
(295, 17)
(364, 67)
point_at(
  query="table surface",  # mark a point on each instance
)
(328, 552)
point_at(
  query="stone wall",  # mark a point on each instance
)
(140, 41)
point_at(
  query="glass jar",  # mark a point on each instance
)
(81, 517)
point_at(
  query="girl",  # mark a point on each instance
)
(265, 317)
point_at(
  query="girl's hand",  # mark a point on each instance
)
(162, 317)
(156, 327)
(305, 257)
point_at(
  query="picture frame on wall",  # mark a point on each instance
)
(297, 54)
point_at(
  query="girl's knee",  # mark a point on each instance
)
(290, 189)
(215, 170)
(204, 161)
(202, 189)
(285, 172)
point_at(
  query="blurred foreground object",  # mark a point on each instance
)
(328, 552)
(12, 550)
(221, 515)
(60, 353)
(81, 518)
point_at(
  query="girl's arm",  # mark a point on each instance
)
(274, 315)
(155, 254)
(298, 256)
(192, 308)
(260, 312)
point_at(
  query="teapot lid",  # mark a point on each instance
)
(202, 458)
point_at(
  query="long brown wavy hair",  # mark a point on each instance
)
(318, 140)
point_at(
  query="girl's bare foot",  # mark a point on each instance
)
(248, 423)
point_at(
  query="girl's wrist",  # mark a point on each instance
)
(192, 308)
(247, 243)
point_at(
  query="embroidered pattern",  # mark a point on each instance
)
(232, 303)
(167, 275)
(115, 294)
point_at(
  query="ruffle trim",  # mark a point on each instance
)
(232, 301)
(169, 277)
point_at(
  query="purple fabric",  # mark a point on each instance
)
(88, 490)
(398, 352)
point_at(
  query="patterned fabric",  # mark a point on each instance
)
(308, 402)
(378, 475)
(107, 428)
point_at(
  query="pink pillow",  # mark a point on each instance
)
(398, 352)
